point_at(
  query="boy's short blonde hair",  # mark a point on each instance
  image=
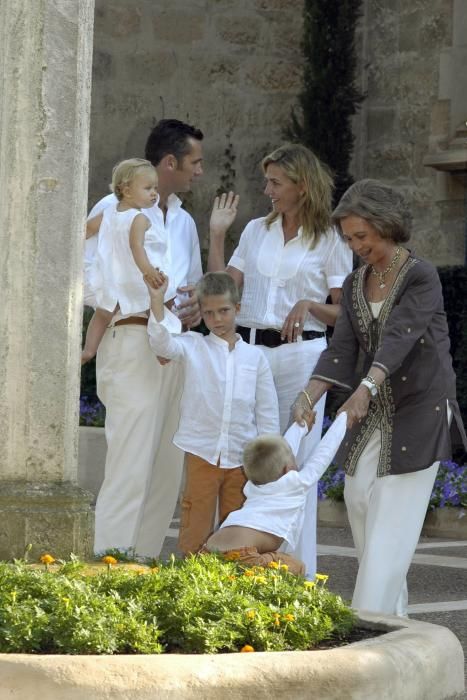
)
(265, 458)
(217, 283)
(125, 172)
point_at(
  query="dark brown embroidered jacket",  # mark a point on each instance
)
(409, 341)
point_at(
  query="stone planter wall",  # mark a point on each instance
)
(413, 660)
(441, 522)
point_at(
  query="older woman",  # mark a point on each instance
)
(403, 414)
(288, 263)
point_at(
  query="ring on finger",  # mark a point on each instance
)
(296, 324)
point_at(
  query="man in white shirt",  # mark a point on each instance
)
(228, 399)
(143, 468)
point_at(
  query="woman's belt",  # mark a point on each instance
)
(271, 338)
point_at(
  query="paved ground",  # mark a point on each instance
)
(437, 578)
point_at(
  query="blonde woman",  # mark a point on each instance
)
(288, 263)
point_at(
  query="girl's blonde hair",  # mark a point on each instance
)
(301, 166)
(125, 172)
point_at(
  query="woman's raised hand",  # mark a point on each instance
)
(223, 213)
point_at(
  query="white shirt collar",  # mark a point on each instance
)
(220, 341)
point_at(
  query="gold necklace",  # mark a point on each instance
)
(382, 275)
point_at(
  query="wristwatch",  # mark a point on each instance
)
(371, 385)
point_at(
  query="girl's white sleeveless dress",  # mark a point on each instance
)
(114, 277)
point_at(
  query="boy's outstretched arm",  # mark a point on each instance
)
(316, 463)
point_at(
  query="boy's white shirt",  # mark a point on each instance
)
(278, 506)
(228, 398)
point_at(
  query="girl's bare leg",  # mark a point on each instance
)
(96, 329)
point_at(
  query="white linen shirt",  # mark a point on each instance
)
(277, 276)
(182, 260)
(228, 396)
(278, 507)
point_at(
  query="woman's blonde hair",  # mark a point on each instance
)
(301, 166)
(125, 172)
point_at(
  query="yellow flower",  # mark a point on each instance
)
(233, 555)
(273, 565)
(284, 567)
(109, 560)
(250, 614)
(249, 572)
(277, 621)
(322, 577)
(289, 617)
(47, 559)
(260, 579)
(309, 584)
(246, 648)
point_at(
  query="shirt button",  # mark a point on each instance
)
(437, 408)
(335, 360)
(404, 379)
(403, 448)
(422, 340)
(409, 330)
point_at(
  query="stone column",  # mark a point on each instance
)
(45, 68)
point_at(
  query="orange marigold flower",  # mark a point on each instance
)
(109, 560)
(47, 559)
(273, 565)
(233, 555)
(246, 648)
(249, 572)
(231, 578)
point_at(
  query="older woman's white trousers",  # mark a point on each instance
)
(386, 516)
(143, 468)
(292, 365)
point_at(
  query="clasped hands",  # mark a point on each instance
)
(356, 408)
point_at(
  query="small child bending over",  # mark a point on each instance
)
(275, 497)
(228, 398)
(128, 247)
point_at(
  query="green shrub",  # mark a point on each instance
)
(203, 604)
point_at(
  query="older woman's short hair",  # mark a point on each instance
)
(381, 205)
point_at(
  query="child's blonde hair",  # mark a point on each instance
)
(265, 458)
(125, 172)
(215, 283)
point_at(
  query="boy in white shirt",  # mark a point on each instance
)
(275, 497)
(228, 399)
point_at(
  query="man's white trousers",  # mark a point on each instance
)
(143, 468)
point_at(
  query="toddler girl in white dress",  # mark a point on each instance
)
(128, 248)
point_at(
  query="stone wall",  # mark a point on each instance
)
(234, 70)
(411, 69)
(231, 68)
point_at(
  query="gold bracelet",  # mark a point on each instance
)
(311, 404)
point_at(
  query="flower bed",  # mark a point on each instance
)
(91, 412)
(200, 605)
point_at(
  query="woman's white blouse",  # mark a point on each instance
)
(277, 276)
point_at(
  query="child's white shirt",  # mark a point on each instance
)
(228, 396)
(278, 507)
(114, 277)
